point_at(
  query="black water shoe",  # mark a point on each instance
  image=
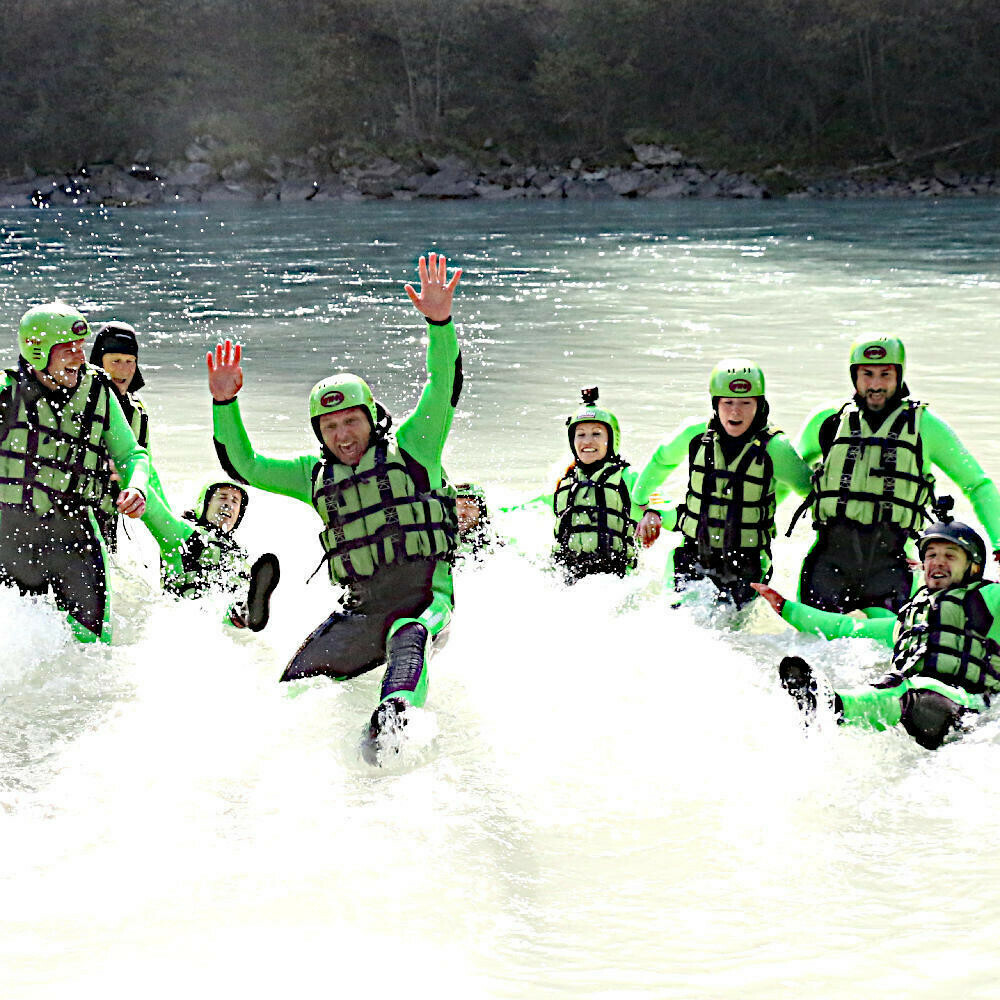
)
(264, 576)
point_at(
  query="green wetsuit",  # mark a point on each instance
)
(854, 565)
(893, 699)
(730, 548)
(107, 514)
(50, 483)
(394, 612)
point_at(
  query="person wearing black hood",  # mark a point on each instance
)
(739, 469)
(116, 350)
(873, 486)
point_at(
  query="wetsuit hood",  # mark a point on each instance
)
(117, 338)
(732, 446)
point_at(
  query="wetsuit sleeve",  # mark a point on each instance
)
(790, 472)
(424, 432)
(290, 477)
(543, 501)
(169, 530)
(664, 460)
(630, 477)
(808, 445)
(131, 460)
(828, 623)
(943, 449)
(991, 595)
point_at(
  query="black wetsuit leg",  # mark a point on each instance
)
(352, 641)
(852, 567)
(730, 572)
(62, 552)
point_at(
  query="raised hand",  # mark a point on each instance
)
(225, 376)
(435, 295)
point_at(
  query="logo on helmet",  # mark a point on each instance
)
(331, 398)
(79, 328)
(739, 385)
(874, 353)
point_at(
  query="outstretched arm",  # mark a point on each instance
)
(289, 477)
(423, 434)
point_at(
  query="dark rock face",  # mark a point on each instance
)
(323, 174)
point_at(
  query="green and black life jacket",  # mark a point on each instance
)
(210, 560)
(52, 454)
(376, 515)
(944, 634)
(595, 514)
(874, 477)
(729, 505)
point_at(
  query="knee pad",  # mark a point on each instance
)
(928, 717)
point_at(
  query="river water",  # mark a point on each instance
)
(606, 795)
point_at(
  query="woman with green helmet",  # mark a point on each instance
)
(596, 516)
(740, 468)
(60, 423)
(389, 527)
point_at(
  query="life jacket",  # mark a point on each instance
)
(874, 478)
(595, 515)
(944, 634)
(52, 454)
(210, 560)
(730, 505)
(375, 514)
(137, 417)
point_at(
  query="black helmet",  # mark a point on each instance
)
(966, 538)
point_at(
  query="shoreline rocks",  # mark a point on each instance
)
(655, 172)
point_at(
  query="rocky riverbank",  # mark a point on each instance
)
(327, 174)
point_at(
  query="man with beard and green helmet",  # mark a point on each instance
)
(740, 468)
(199, 555)
(390, 529)
(116, 350)
(60, 422)
(873, 485)
(945, 644)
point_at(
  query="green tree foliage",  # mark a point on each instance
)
(820, 81)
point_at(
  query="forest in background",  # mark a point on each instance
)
(813, 84)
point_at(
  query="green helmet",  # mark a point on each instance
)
(591, 411)
(878, 351)
(201, 504)
(966, 538)
(470, 491)
(736, 377)
(44, 326)
(341, 392)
